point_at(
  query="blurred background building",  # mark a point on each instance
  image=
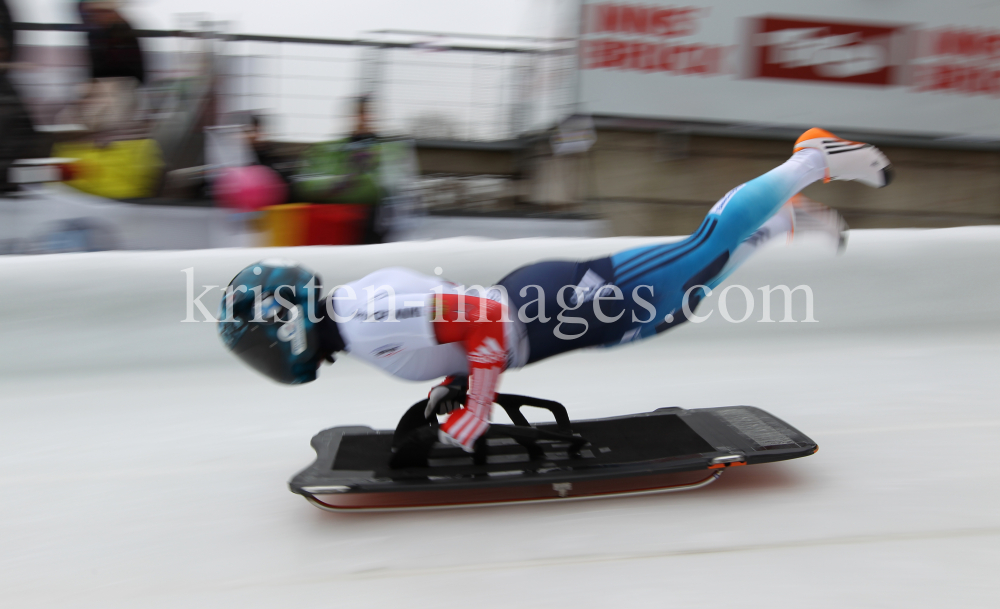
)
(596, 118)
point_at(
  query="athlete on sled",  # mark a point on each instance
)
(420, 328)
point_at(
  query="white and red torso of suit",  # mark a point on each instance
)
(407, 324)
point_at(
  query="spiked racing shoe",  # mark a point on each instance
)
(847, 160)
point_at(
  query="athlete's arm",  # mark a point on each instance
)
(478, 324)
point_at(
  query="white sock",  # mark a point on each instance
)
(805, 167)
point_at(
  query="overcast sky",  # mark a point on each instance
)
(330, 18)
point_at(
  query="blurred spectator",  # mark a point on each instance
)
(264, 149)
(117, 68)
(120, 160)
(6, 34)
(363, 129)
(366, 140)
(17, 135)
(347, 171)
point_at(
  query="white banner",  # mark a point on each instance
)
(905, 66)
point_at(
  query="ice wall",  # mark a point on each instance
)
(125, 309)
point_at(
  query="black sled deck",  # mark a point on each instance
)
(667, 450)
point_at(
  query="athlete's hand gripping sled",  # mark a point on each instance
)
(416, 434)
(669, 449)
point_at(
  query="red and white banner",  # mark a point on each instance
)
(905, 66)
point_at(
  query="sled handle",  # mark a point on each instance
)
(512, 404)
(412, 419)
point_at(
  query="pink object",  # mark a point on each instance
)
(249, 188)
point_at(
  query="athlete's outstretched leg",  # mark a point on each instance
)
(818, 154)
(669, 272)
(730, 221)
(748, 206)
(642, 291)
(781, 223)
(800, 215)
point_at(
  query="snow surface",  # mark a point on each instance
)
(141, 466)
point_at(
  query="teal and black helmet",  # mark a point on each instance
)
(269, 318)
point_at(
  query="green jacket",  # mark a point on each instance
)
(341, 171)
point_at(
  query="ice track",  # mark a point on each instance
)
(140, 466)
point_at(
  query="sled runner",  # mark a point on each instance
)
(667, 450)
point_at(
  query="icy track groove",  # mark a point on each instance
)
(141, 466)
